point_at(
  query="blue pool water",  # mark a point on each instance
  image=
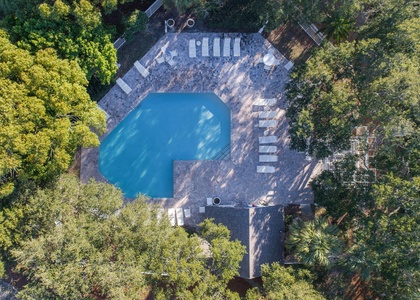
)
(138, 154)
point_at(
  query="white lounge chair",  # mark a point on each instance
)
(171, 62)
(268, 149)
(265, 169)
(160, 60)
(216, 47)
(267, 67)
(171, 216)
(142, 70)
(121, 83)
(270, 51)
(289, 65)
(202, 209)
(187, 213)
(226, 47)
(237, 47)
(267, 114)
(267, 123)
(267, 139)
(192, 50)
(268, 158)
(263, 102)
(205, 47)
(179, 217)
(209, 201)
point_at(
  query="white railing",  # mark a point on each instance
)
(153, 8)
(309, 27)
(313, 32)
(119, 42)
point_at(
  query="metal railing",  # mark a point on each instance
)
(223, 154)
(119, 42)
(153, 8)
(309, 27)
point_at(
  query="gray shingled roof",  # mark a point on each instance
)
(260, 229)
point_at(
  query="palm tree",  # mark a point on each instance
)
(338, 27)
(314, 242)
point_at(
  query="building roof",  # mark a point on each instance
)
(260, 229)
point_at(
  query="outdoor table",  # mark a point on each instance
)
(269, 59)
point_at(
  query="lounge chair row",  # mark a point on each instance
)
(267, 152)
(205, 50)
(176, 215)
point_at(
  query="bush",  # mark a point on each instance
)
(137, 21)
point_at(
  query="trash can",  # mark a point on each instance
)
(216, 201)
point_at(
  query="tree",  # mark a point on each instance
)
(283, 283)
(2, 271)
(74, 29)
(381, 70)
(136, 22)
(181, 5)
(77, 241)
(314, 243)
(382, 17)
(323, 102)
(45, 115)
(384, 248)
(253, 14)
(340, 88)
(338, 27)
(313, 10)
(344, 191)
(226, 255)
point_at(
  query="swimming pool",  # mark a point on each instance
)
(138, 154)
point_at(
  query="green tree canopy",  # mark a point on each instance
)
(372, 81)
(282, 283)
(45, 114)
(137, 21)
(314, 243)
(78, 241)
(225, 254)
(338, 27)
(73, 28)
(323, 102)
(384, 250)
(344, 191)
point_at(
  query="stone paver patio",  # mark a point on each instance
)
(239, 82)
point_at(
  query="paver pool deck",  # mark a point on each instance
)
(239, 82)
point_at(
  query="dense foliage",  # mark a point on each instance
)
(77, 241)
(372, 82)
(369, 82)
(314, 242)
(73, 28)
(45, 114)
(282, 283)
